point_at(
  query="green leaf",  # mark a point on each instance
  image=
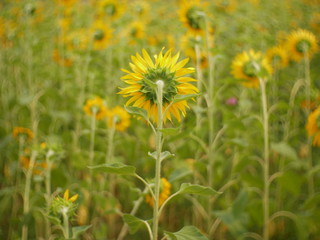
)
(164, 155)
(170, 131)
(186, 233)
(179, 98)
(284, 149)
(76, 231)
(179, 173)
(137, 111)
(189, 188)
(116, 168)
(133, 222)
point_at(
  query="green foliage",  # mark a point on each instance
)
(186, 233)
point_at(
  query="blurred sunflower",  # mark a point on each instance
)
(277, 56)
(313, 126)
(140, 8)
(65, 205)
(38, 167)
(111, 9)
(191, 14)
(315, 22)
(228, 6)
(165, 68)
(95, 107)
(135, 31)
(301, 41)
(62, 60)
(77, 40)
(23, 133)
(67, 3)
(165, 190)
(249, 66)
(118, 118)
(101, 35)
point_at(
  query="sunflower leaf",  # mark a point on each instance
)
(133, 222)
(76, 231)
(189, 188)
(164, 155)
(186, 233)
(179, 98)
(116, 168)
(169, 131)
(137, 111)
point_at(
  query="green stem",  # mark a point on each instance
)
(48, 194)
(308, 98)
(91, 153)
(26, 196)
(266, 159)
(199, 83)
(160, 86)
(66, 225)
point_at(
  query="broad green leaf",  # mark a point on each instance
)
(164, 155)
(137, 111)
(116, 168)
(170, 131)
(179, 173)
(189, 188)
(284, 149)
(133, 222)
(179, 98)
(76, 231)
(186, 233)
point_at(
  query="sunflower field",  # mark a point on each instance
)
(159, 119)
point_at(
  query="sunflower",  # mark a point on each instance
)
(165, 68)
(277, 56)
(299, 42)
(101, 35)
(67, 3)
(95, 107)
(228, 6)
(313, 126)
(111, 9)
(140, 8)
(191, 15)
(65, 205)
(249, 66)
(165, 190)
(135, 31)
(77, 40)
(118, 118)
(315, 22)
(62, 60)
(23, 133)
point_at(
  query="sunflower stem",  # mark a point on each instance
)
(26, 195)
(199, 82)
(265, 117)
(91, 153)
(159, 91)
(48, 194)
(308, 98)
(66, 225)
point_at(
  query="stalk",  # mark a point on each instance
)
(91, 154)
(265, 118)
(66, 225)
(199, 82)
(26, 195)
(48, 194)
(160, 85)
(308, 98)
(210, 112)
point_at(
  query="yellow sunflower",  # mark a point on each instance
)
(77, 40)
(61, 59)
(135, 31)
(166, 68)
(111, 9)
(249, 66)
(191, 15)
(313, 126)
(101, 35)
(22, 132)
(140, 8)
(67, 3)
(301, 41)
(95, 107)
(118, 118)
(69, 199)
(165, 190)
(277, 56)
